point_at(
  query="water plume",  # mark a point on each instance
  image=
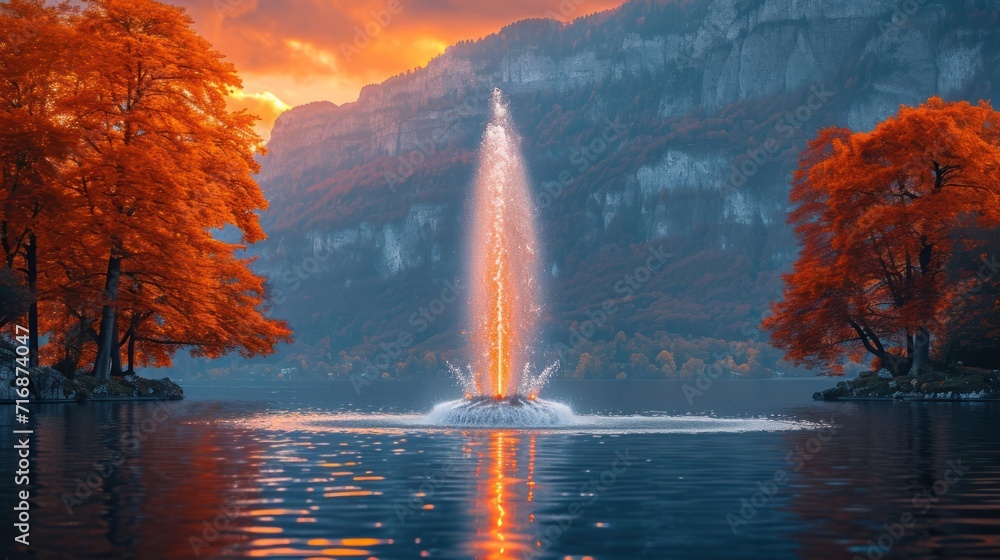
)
(504, 261)
(500, 387)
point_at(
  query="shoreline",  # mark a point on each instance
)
(99, 399)
(954, 384)
(915, 399)
(48, 386)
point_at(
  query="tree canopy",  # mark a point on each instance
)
(882, 217)
(128, 193)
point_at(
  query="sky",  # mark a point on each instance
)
(292, 52)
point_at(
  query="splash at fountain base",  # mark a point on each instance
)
(515, 411)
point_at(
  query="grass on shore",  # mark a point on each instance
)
(937, 380)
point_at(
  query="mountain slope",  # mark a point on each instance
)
(666, 126)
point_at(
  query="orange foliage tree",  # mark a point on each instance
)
(879, 216)
(149, 193)
(33, 140)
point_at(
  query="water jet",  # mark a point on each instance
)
(503, 262)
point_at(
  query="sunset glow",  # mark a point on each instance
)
(519, 280)
(300, 51)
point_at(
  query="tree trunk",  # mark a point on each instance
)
(131, 345)
(31, 256)
(116, 353)
(106, 339)
(898, 365)
(78, 336)
(921, 350)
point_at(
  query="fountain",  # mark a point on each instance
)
(500, 387)
(503, 381)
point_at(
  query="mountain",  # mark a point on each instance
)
(657, 127)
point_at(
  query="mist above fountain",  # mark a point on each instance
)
(500, 385)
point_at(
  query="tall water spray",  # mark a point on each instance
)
(503, 263)
(502, 384)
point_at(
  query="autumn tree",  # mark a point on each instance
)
(123, 167)
(973, 334)
(226, 317)
(692, 368)
(879, 216)
(588, 367)
(667, 364)
(34, 59)
(164, 169)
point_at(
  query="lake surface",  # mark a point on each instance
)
(737, 469)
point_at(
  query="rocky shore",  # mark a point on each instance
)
(950, 384)
(48, 385)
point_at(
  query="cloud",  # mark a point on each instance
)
(264, 104)
(310, 50)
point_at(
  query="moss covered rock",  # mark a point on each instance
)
(48, 384)
(934, 384)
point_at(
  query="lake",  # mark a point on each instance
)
(734, 469)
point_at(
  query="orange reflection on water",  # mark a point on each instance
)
(348, 542)
(498, 484)
(351, 494)
(263, 530)
(345, 552)
(502, 529)
(277, 511)
(531, 470)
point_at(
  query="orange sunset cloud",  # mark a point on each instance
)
(291, 52)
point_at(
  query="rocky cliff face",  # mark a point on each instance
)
(660, 123)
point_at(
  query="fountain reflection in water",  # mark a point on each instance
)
(504, 493)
